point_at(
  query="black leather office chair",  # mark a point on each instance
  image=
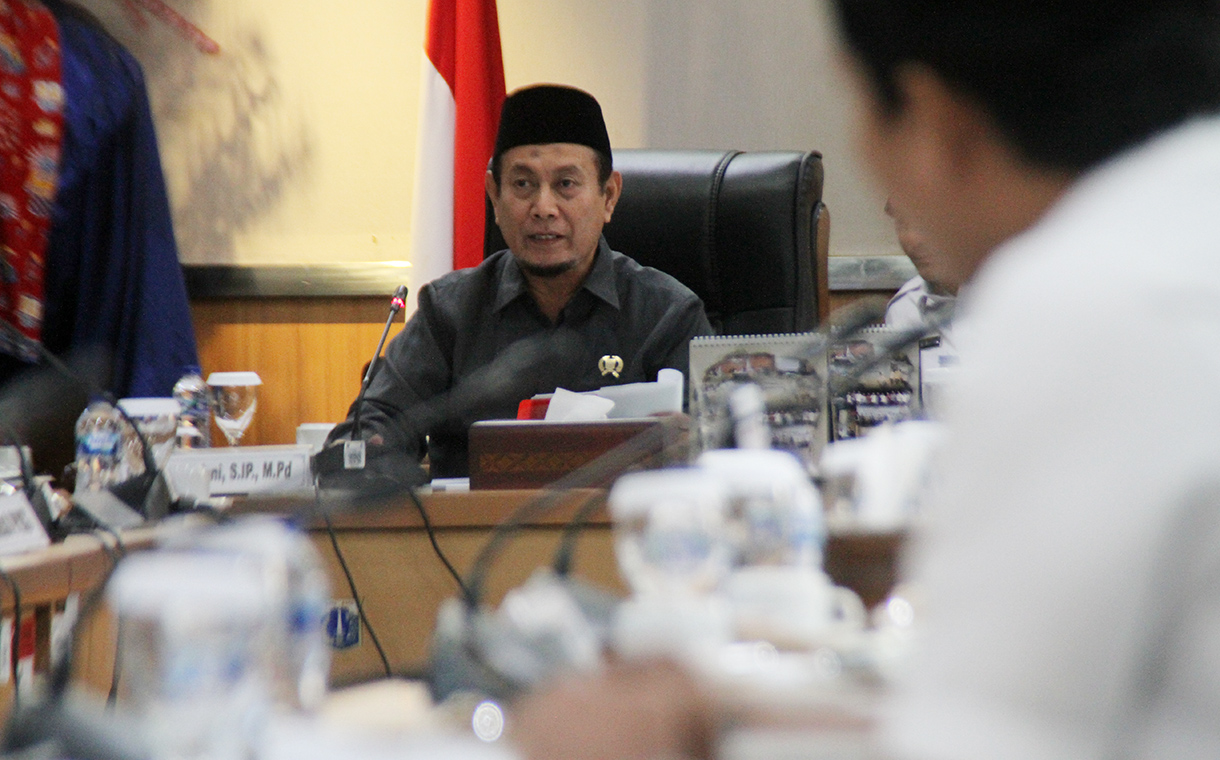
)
(748, 232)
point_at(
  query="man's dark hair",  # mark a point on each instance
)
(1068, 83)
(604, 167)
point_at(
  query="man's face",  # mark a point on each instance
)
(551, 208)
(934, 268)
(918, 155)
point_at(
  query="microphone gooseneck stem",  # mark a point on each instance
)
(398, 300)
(591, 474)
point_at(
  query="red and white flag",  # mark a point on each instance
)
(461, 91)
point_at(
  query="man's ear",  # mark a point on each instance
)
(493, 194)
(613, 190)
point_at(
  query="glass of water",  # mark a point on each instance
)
(234, 399)
(670, 531)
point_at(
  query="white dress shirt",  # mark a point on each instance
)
(1073, 595)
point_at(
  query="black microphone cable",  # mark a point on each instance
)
(634, 450)
(849, 321)
(561, 563)
(351, 584)
(423, 516)
(618, 459)
(899, 341)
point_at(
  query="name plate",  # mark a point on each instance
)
(20, 529)
(242, 470)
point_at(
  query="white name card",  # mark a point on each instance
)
(20, 529)
(242, 470)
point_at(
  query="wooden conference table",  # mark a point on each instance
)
(400, 580)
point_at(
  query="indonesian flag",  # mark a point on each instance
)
(461, 91)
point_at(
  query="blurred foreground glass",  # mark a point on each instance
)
(776, 589)
(234, 399)
(878, 482)
(669, 528)
(192, 635)
(298, 658)
(774, 511)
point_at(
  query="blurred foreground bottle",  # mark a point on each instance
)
(192, 394)
(99, 455)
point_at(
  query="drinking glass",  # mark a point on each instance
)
(670, 531)
(234, 399)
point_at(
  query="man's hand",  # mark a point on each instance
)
(635, 712)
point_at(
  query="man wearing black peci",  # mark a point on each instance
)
(558, 308)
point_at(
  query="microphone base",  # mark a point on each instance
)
(107, 510)
(387, 471)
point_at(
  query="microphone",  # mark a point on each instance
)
(390, 469)
(473, 649)
(357, 466)
(847, 321)
(397, 302)
(887, 349)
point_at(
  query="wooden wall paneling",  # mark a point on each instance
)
(308, 351)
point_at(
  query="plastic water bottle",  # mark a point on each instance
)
(192, 394)
(99, 451)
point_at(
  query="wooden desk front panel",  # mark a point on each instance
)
(402, 583)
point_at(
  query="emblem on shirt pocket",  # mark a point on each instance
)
(610, 365)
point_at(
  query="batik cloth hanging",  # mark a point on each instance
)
(31, 136)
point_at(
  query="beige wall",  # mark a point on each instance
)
(296, 143)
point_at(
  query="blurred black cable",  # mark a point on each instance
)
(351, 584)
(423, 515)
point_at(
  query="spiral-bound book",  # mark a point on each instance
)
(789, 368)
(888, 391)
(802, 378)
